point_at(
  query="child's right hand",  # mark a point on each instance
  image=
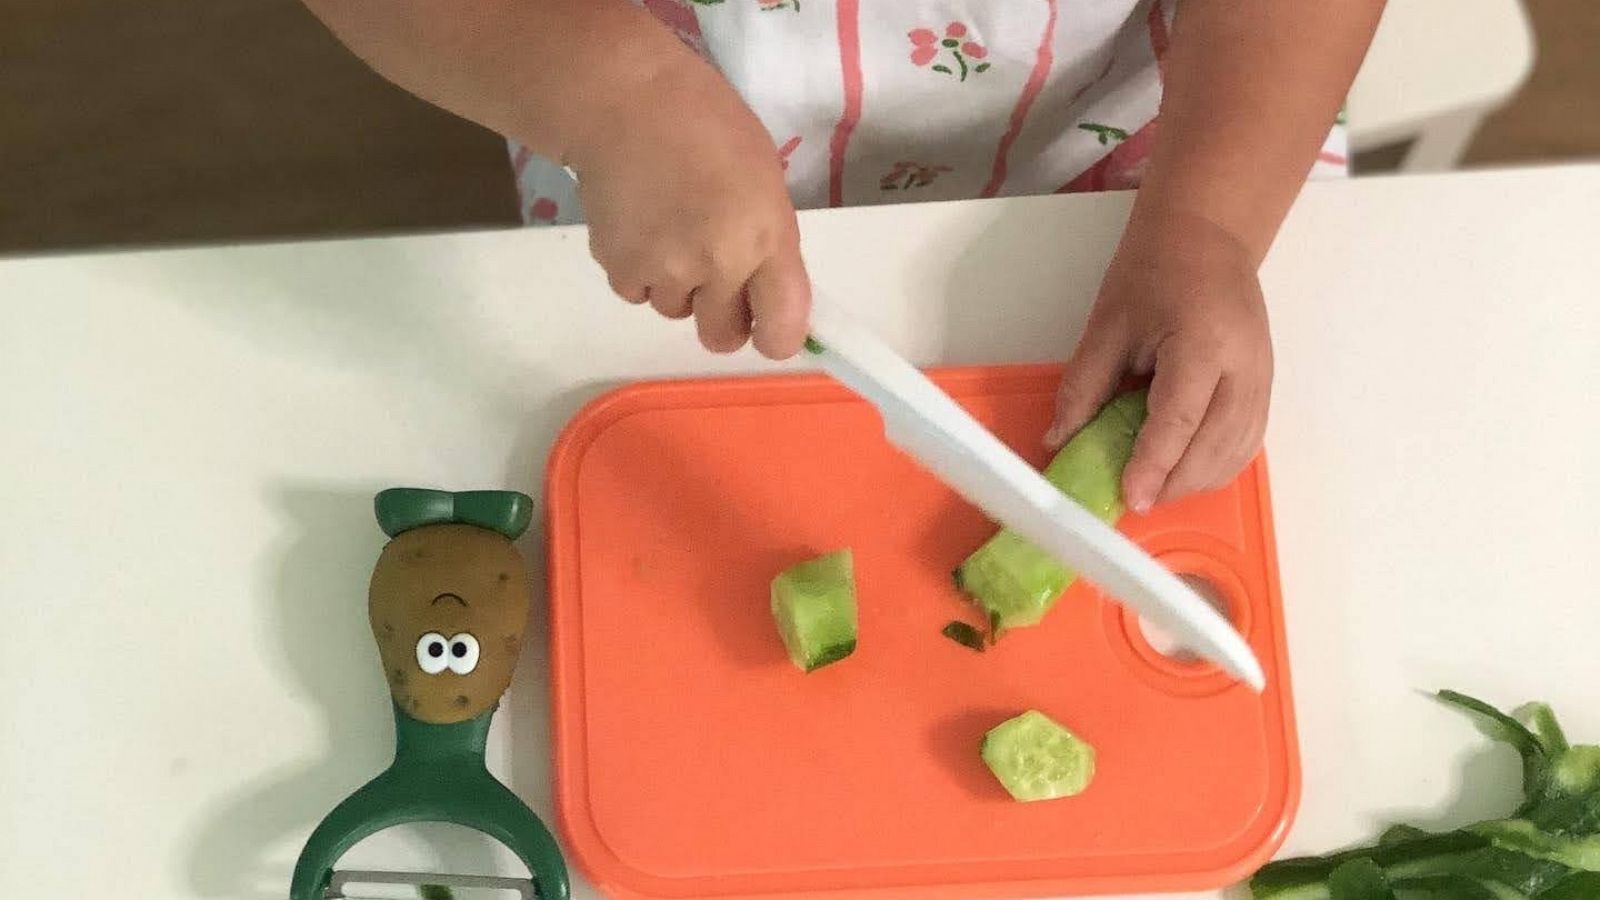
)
(687, 210)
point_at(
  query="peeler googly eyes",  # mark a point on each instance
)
(447, 604)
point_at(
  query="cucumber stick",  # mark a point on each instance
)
(1013, 581)
(814, 605)
(1036, 758)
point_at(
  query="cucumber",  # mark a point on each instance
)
(1013, 581)
(1037, 759)
(814, 604)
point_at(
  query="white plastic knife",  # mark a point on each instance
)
(926, 423)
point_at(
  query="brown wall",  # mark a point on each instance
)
(207, 120)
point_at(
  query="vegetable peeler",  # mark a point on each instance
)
(926, 423)
(447, 603)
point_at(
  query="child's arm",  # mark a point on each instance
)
(1252, 90)
(680, 183)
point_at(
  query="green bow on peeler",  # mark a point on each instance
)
(402, 509)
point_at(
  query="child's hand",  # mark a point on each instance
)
(1190, 310)
(688, 211)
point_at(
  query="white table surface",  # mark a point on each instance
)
(1433, 58)
(192, 438)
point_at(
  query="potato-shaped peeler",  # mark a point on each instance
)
(447, 603)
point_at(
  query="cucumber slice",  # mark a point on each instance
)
(1036, 758)
(1011, 579)
(814, 604)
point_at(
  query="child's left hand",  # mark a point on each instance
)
(1190, 310)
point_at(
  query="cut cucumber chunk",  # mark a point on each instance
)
(1012, 580)
(814, 604)
(1015, 582)
(1037, 759)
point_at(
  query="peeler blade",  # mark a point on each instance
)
(341, 881)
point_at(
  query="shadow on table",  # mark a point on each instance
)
(318, 611)
(381, 312)
(1048, 280)
(1487, 785)
(527, 701)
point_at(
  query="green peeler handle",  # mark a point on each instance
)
(438, 775)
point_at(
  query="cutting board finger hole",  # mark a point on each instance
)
(1162, 656)
(1171, 646)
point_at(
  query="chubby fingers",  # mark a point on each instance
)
(1230, 436)
(1093, 373)
(733, 297)
(722, 315)
(780, 304)
(1180, 397)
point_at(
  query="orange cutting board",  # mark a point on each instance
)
(692, 760)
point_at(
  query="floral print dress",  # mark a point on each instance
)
(884, 101)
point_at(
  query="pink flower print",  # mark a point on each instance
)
(906, 175)
(787, 148)
(770, 5)
(922, 46)
(543, 210)
(926, 47)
